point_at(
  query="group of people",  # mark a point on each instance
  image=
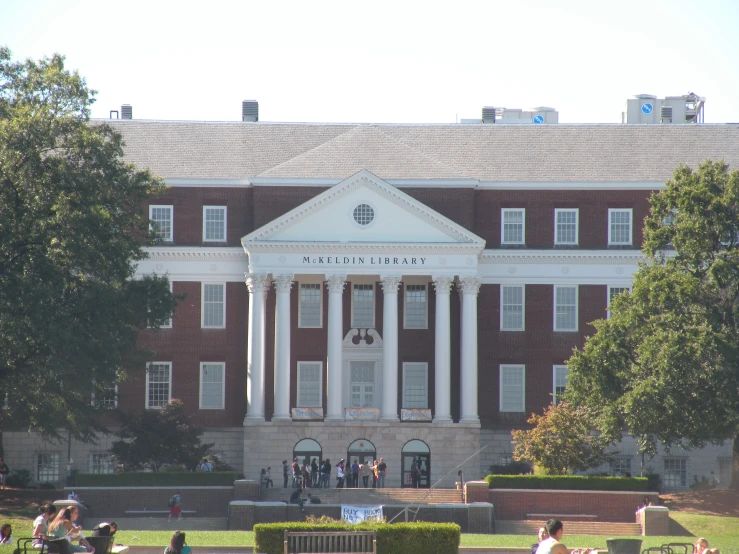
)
(311, 475)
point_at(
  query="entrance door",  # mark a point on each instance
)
(418, 451)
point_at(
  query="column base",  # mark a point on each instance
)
(282, 418)
(253, 419)
(443, 420)
(391, 419)
(333, 418)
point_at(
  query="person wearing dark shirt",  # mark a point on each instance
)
(285, 472)
(105, 529)
(355, 474)
(313, 499)
(326, 474)
(296, 499)
(381, 471)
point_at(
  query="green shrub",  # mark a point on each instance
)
(512, 468)
(19, 479)
(398, 538)
(568, 482)
(137, 479)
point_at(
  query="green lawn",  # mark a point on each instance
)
(721, 532)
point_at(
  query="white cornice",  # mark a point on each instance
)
(571, 185)
(568, 257)
(195, 254)
(361, 248)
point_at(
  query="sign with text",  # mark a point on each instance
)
(365, 260)
(307, 413)
(415, 414)
(362, 414)
(355, 514)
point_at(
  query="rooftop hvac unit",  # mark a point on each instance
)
(250, 111)
(665, 114)
(126, 111)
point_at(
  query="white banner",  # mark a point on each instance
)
(355, 514)
(362, 414)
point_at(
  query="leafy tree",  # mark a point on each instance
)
(71, 231)
(561, 440)
(666, 364)
(158, 437)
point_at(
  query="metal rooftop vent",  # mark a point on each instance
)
(250, 111)
(665, 114)
(126, 111)
(488, 114)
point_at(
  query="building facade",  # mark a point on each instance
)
(410, 292)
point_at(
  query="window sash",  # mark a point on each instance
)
(311, 306)
(612, 293)
(619, 226)
(416, 303)
(676, 474)
(158, 385)
(566, 226)
(512, 226)
(47, 466)
(160, 220)
(362, 384)
(559, 382)
(512, 302)
(214, 305)
(512, 388)
(363, 306)
(101, 462)
(214, 223)
(620, 466)
(310, 384)
(565, 308)
(212, 385)
(415, 385)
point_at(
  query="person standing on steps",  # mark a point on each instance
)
(355, 474)
(381, 472)
(326, 474)
(285, 472)
(297, 475)
(364, 472)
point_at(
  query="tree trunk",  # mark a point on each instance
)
(2, 450)
(735, 465)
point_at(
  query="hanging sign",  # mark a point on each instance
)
(355, 514)
(307, 413)
(362, 414)
(415, 414)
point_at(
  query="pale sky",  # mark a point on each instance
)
(385, 61)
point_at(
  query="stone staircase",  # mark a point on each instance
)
(370, 497)
(160, 523)
(598, 528)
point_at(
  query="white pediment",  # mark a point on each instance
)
(363, 209)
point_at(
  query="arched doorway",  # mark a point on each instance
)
(361, 450)
(416, 450)
(307, 449)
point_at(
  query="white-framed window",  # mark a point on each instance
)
(560, 374)
(168, 324)
(47, 467)
(214, 305)
(620, 466)
(101, 462)
(160, 220)
(415, 385)
(363, 305)
(310, 305)
(362, 383)
(512, 302)
(212, 385)
(416, 307)
(566, 225)
(158, 385)
(214, 223)
(620, 226)
(565, 308)
(108, 398)
(310, 384)
(512, 226)
(613, 292)
(512, 388)
(676, 473)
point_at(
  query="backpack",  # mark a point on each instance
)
(172, 502)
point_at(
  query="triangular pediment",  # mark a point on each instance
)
(363, 209)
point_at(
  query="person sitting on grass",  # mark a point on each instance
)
(63, 526)
(700, 546)
(543, 534)
(177, 544)
(41, 527)
(552, 545)
(105, 529)
(6, 536)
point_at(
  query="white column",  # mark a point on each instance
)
(390, 347)
(442, 349)
(283, 284)
(469, 287)
(335, 408)
(258, 285)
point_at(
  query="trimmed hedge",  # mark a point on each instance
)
(396, 538)
(141, 479)
(568, 482)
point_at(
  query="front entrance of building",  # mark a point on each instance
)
(418, 451)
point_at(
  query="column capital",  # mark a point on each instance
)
(257, 282)
(336, 282)
(442, 283)
(284, 282)
(390, 283)
(469, 285)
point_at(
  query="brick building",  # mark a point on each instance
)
(396, 291)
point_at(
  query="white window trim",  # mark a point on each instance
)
(116, 399)
(426, 365)
(405, 305)
(169, 326)
(523, 306)
(37, 479)
(374, 303)
(522, 367)
(523, 225)
(225, 223)
(146, 397)
(631, 226)
(298, 403)
(577, 225)
(202, 305)
(223, 387)
(554, 381)
(171, 219)
(320, 306)
(608, 296)
(91, 465)
(577, 308)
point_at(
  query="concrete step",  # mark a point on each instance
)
(371, 496)
(160, 523)
(598, 528)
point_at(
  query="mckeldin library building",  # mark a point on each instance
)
(397, 291)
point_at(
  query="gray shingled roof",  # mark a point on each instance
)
(235, 150)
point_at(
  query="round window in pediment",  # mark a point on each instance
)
(364, 214)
